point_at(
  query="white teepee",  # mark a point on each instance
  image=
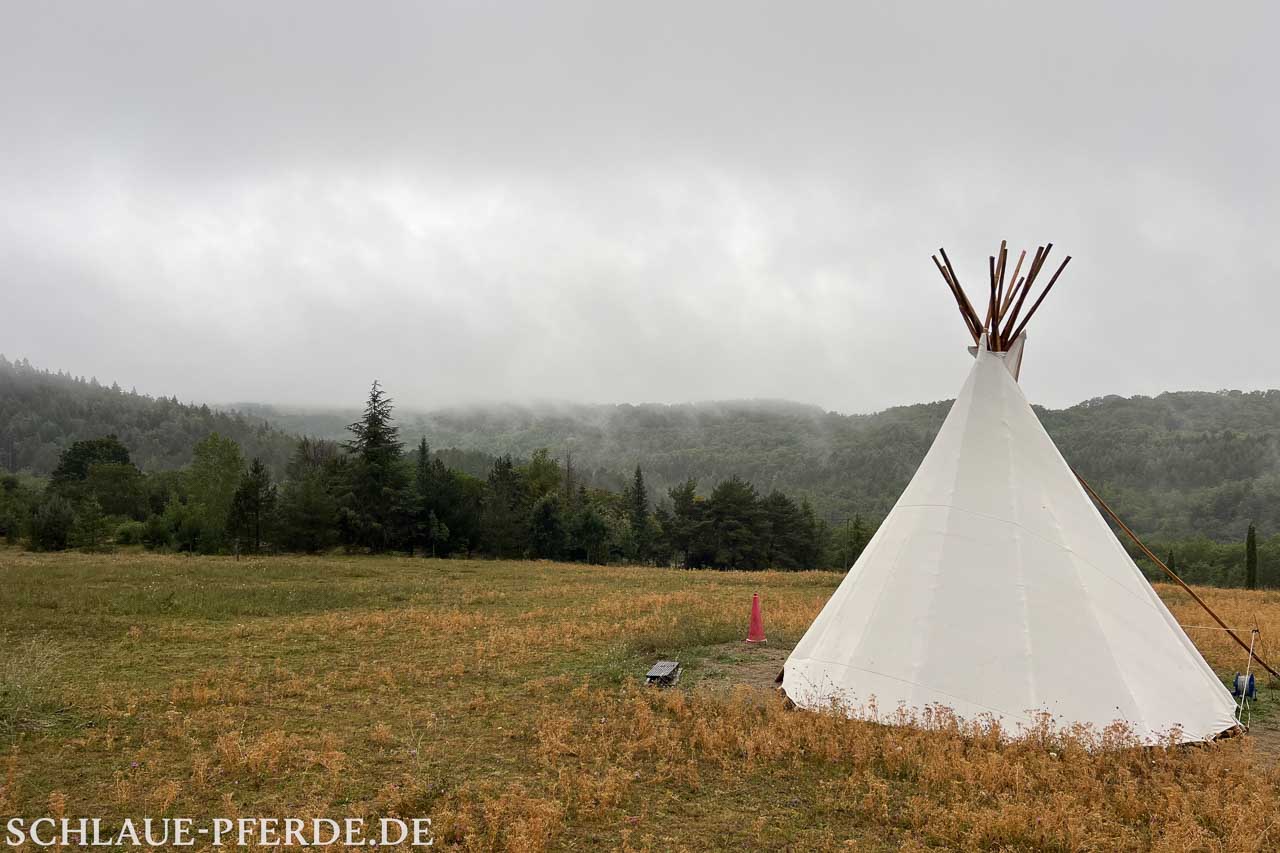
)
(994, 587)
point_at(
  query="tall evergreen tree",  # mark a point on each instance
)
(789, 534)
(375, 439)
(505, 510)
(253, 507)
(590, 531)
(1251, 559)
(663, 551)
(424, 496)
(637, 501)
(374, 511)
(308, 515)
(546, 528)
(737, 525)
(684, 532)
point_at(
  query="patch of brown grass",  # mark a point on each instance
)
(502, 700)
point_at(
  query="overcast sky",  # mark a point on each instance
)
(633, 202)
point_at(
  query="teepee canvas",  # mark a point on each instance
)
(994, 587)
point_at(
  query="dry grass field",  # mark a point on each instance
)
(503, 701)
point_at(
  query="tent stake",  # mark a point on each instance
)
(1170, 573)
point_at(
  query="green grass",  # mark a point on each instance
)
(501, 699)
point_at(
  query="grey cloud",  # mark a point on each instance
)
(643, 202)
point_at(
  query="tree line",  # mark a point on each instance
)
(369, 493)
(1178, 466)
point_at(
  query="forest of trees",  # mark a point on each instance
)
(1190, 471)
(370, 494)
(1177, 466)
(42, 413)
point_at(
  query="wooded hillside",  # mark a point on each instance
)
(42, 413)
(1178, 465)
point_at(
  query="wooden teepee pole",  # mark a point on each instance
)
(1014, 283)
(1179, 581)
(970, 322)
(1000, 262)
(955, 279)
(1032, 272)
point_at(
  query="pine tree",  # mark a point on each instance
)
(92, 527)
(424, 497)
(737, 526)
(1251, 559)
(590, 531)
(858, 537)
(253, 507)
(505, 510)
(686, 533)
(637, 498)
(546, 528)
(375, 437)
(375, 512)
(788, 532)
(307, 514)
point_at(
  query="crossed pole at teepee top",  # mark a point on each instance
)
(1000, 325)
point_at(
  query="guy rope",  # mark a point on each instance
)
(1248, 647)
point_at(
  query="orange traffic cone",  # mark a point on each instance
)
(755, 634)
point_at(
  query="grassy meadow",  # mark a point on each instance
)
(502, 699)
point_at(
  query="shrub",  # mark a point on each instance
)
(92, 529)
(131, 533)
(157, 533)
(9, 526)
(51, 523)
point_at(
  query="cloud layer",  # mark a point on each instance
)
(649, 202)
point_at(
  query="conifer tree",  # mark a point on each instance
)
(374, 511)
(253, 507)
(1251, 559)
(375, 437)
(637, 497)
(505, 510)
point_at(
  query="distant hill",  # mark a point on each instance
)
(1177, 465)
(42, 412)
(1180, 464)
